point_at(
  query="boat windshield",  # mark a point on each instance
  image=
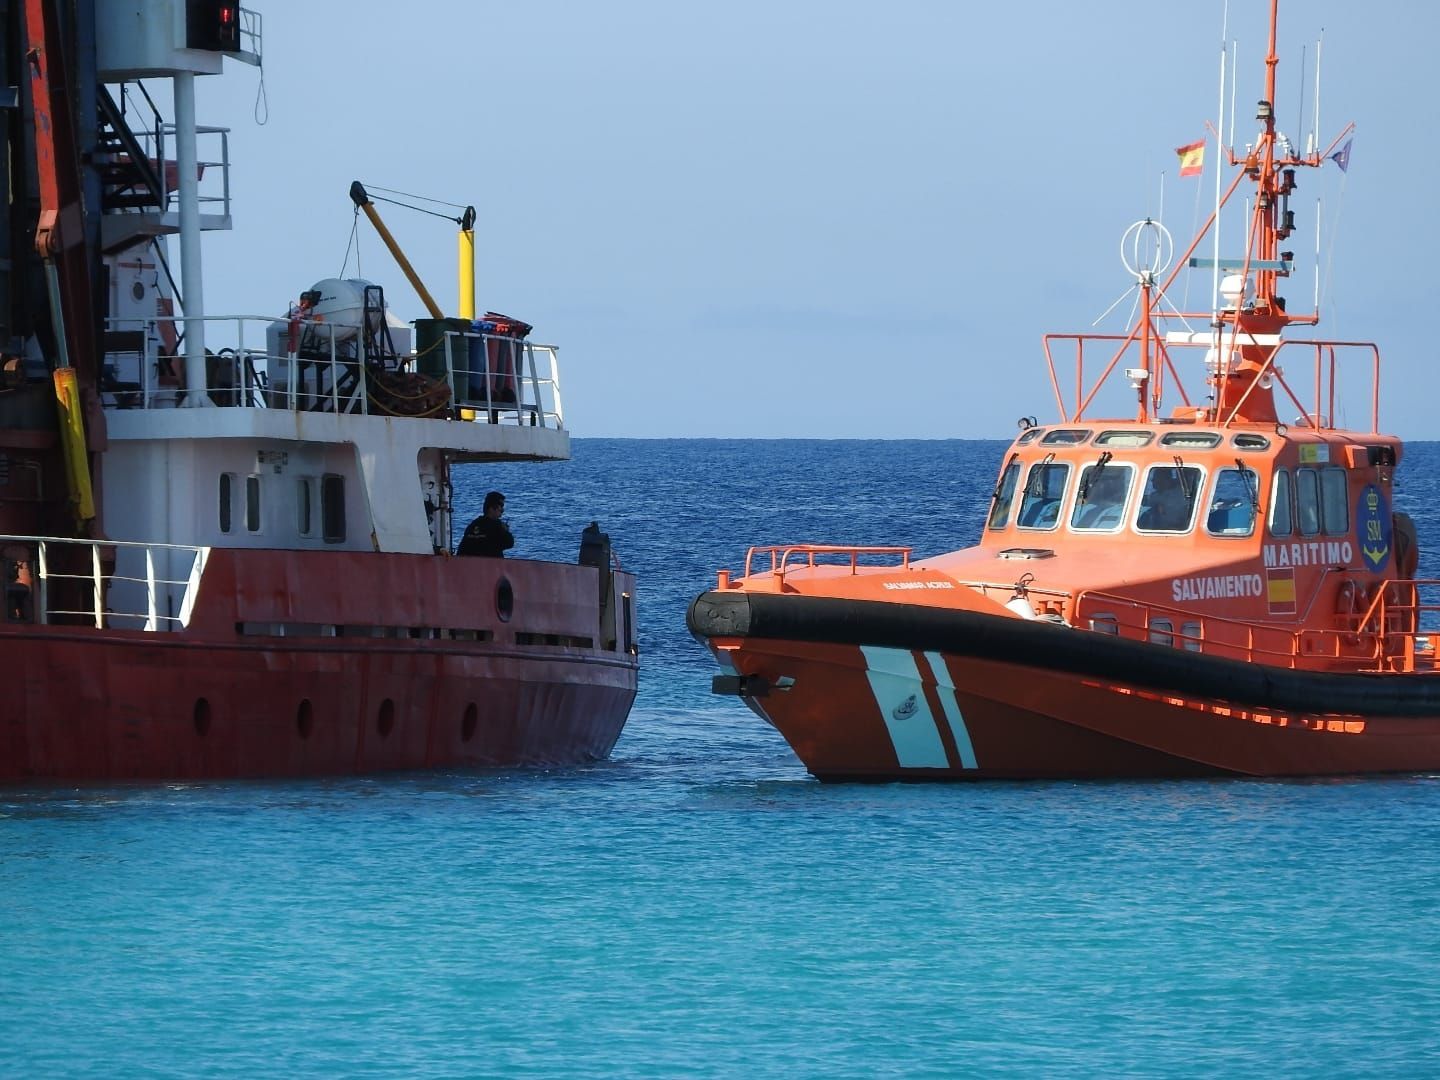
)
(1004, 496)
(1104, 488)
(1232, 507)
(1044, 488)
(1168, 502)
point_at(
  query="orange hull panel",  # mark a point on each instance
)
(978, 719)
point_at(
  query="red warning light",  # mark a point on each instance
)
(212, 25)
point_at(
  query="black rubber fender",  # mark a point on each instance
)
(1052, 647)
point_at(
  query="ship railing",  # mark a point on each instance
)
(212, 168)
(493, 376)
(259, 362)
(1323, 370)
(785, 558)
(1394, 631)
(106, 584)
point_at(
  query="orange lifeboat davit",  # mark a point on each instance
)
(1195, 587)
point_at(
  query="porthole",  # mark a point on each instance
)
(504, 600)
(385, 722)
(201, 716)
(305, 718)
(469, 722)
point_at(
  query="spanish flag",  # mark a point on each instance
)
(1192, 158)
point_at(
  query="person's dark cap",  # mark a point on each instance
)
(494, 498)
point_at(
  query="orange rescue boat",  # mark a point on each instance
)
(1203, 591)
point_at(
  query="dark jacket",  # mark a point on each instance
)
(486, 536)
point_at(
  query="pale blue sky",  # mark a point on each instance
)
(808, 218)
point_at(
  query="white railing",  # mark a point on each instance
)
(212, 166)
(497, 376)
(148, 587)
(260, 362)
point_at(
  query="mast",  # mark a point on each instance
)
(1252, 320)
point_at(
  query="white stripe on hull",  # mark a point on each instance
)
(900, 697)
(945, 691)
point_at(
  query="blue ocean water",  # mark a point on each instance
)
(698, 905)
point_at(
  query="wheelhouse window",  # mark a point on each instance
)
(1191, 440)
(1044, 490)
(252, 504)
(227, 501)
(1101, 497)
(1334, 501)
(1282, 505)
(1168, 501)
(1233, 505)
(1307, 501)
(1066, 436)
(1004, 496)
(332, 508)
(1123, 438)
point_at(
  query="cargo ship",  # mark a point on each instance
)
(227, 540)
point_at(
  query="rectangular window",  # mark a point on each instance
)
(1335, 501)
(332, 508)
(227, 500)
(305, 505)
(1233, 506)
(1100, 499)
(1169, 500)
(1004, 496)
(1307, 501)
(1282, 505)
(1044, 489)
(252, 503)
(1191, 633)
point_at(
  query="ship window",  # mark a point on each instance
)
(1191, 635)
(332, 508)
(1105, 490)
(1168, 503)
(1044, 488)
(1307, 501)
(1191, 440)
(1232, 507)
(1028, 436)
(1248, 441)
(227, 501)
(1104, 622)
(305, 505)
(1334, 501)
(1004, 496)
(252, 503)
(1282, 505)
(1066, 437)
(1123, 438)
(1162, 632)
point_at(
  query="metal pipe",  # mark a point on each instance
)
(196, 394)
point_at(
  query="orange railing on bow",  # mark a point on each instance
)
(781, 555)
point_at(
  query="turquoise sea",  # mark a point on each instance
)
(698, 906)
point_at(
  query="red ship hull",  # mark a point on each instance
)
(273, 678)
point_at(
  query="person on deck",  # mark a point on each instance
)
(488, 534)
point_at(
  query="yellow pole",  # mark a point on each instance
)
(466, 263)
(72, 444)
(357, 193)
